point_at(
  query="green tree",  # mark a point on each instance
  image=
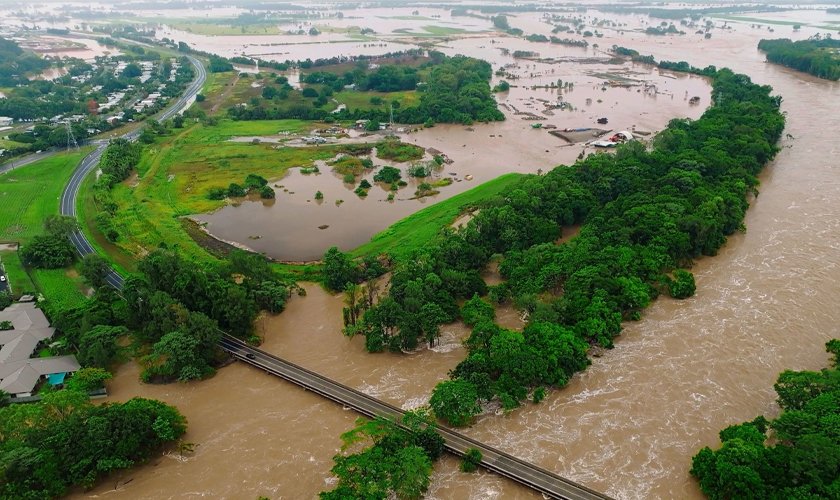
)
(682, 286)
(476, 310)
(88, 379)
(95, 269)
(338, 270)
(455, 401)
(48, 251)
(471, 461)
(98, 346)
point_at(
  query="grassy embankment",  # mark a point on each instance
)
(411, 233)
(32, 193)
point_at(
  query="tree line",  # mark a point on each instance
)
(817, 56)
(796, 455)
(644, 213)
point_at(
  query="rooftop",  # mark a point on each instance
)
(18, 372)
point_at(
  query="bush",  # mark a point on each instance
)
(309, 92)
(267, 193)
(682, 286)
(365, 184)
(471, 461)
(388, 175)
(253, 181)
(217, 193)
(236, 191)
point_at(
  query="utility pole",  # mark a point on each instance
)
(71, 140)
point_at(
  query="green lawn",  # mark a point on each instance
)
(29, 194)
(417, 229)
(17, 275)
(354, 99)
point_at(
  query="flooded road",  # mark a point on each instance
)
(629, 425)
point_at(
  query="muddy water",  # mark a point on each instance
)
(630, 423)
(292, 228)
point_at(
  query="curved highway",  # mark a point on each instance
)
(89, 163)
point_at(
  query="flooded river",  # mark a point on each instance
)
(628, 425)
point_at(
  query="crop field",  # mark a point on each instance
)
(30, 193)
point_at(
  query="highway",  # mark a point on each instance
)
(537, 478)
(90, 162)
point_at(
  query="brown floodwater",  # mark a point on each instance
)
(292, 228)
(627, 426)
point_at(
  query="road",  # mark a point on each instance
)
(537, 478)
(90, 162)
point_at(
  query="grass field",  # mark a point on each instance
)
(18, 278)
(62, 288)
(227, 29)
(361, 100)
(175, 175)
(29, 194)
(415, 230)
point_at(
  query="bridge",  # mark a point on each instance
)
(532, 476)
(537, 478)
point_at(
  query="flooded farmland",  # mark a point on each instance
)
(629, 424)
(631, 96)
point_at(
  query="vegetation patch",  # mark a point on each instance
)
(411, 233)
(31, 193)
(395, 150)
(792, 456)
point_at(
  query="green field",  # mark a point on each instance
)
(176, 173)
(415, 230)
(33, 193)
(62, 288)
(227, 29)
(354, 99)
(29, 194)
(17, 275)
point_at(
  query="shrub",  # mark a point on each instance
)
(217, 193)
(236, 191)
(388, 175)
(471, 461)
(267, 193)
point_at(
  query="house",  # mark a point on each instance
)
(19, 372)
(6, 121)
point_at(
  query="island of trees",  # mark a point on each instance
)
(451, 90)
(816, 55)
(796, 455)
(645, 214)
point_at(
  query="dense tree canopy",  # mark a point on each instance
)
(802, 457)
(817, 56)
(64, 441)
(397, 461)
(643, 212)
(454, 90)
